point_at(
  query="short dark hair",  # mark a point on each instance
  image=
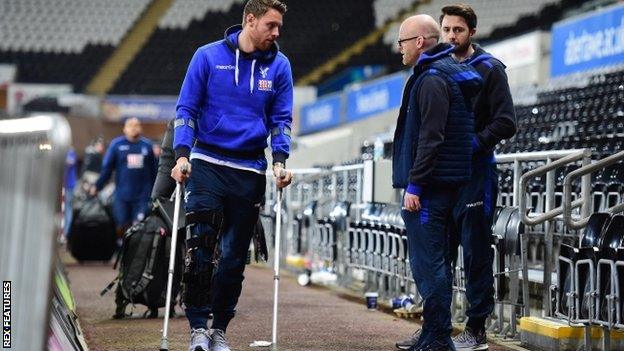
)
(259, 7)
(462, 10)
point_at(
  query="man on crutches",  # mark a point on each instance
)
(236, 93)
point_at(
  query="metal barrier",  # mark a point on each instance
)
(550, 212)
(511, 243)
(591, 293)
(585, 172)
(367, 248)
(32, 154)
(340, 183)
(369, 253)
(378, 248)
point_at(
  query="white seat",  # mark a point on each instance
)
(387, 9)
(183, 12)
(491, 13)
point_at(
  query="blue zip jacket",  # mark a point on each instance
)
(231, 101)
(133, 164)
(435, 127)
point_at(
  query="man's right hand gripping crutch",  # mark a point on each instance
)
(182, 170)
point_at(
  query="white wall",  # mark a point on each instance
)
(19, 94)
(527, 58)
(339, 144)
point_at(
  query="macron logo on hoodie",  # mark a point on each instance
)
(225, 67)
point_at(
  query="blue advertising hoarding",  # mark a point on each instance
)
(588, 42)
(375, 97)
(322, 114)
(117, 108)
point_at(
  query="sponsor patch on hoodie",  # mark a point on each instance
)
(265, 85)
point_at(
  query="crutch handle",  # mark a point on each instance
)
(184, 168)
(282, 174)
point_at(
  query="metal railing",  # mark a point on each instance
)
(544, 203)
(372, 248)
(548, 169)
(339, 183)
(585, 172)
(584, 296)
(554, 160)
(32, 154)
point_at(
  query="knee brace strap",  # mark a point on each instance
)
(196, 278)
(204, 241)
(212, 217)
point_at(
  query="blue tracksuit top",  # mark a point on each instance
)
(133, 163)
(231, 101)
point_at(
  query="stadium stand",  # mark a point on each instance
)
(48, 67)
(63, 41)
(182, 12)
(573, 118)
(388, 9)
(493, 13)
(78, 38)
(159, 68)
(497, 20)
(313, 33)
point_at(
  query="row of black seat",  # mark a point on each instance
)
(58, 68)
(372, 239)
(578, 117)
(543, 20)
(160, 66)
(591, 275)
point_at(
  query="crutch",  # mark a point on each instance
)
(276, 277)
(276, 263)
(164, 343)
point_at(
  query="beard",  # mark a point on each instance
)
(262, 45)
(461, 48)
(265, 45)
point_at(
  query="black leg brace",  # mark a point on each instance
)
(203, 232)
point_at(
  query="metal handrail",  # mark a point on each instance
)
(535, 155)
(554, 159)
(550, 166)
(311, 175)
(518, 157)
(586, 170)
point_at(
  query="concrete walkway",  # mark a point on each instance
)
(310, 318)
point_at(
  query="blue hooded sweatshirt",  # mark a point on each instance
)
(231, 101)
